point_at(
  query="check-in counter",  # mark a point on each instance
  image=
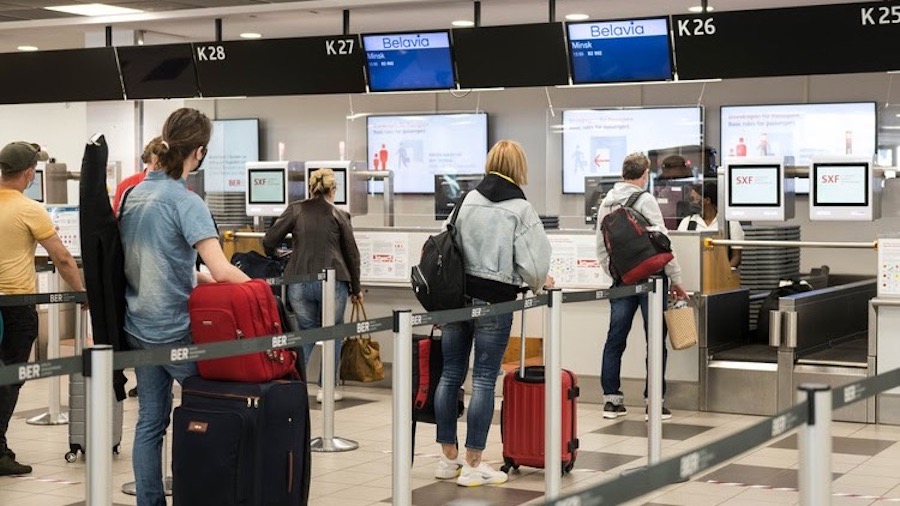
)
(388, 255)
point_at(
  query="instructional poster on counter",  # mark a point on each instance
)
(596, 141)
(574, 263)
(383, 256)
(888, 267)
(416, 148)
(65, 220)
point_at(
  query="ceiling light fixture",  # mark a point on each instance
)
(93, 9)
(577, 17)
(27, 48)
(251, 35)
(463, 23)
(699, 8)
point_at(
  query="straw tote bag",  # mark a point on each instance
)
(682, 326)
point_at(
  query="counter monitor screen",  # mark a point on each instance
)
(340, 183)
(841, 184)
(267, 186)
(754, 185)
(620, 51)
(36, 190)
(449, 188)
(409, 61)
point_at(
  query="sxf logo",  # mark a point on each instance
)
(30, 371)
(744, 180)
(831, 179)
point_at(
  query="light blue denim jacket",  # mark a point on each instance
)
(503, 241)
(160, 222)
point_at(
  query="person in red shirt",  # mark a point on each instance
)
(134, 179)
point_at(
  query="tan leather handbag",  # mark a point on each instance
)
(361, 355)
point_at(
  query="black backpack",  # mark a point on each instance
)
(439, 281)
(635, 253)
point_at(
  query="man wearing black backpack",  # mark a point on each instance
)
(636, 174)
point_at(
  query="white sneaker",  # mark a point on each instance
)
(338, 395)
(447, 469)
(481, 475)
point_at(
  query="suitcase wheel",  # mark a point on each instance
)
(508, 464)
(567, 467)
(71, 457)
(116, 449)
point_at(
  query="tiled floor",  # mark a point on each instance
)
(865, 464)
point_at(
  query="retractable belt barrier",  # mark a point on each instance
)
(176, 354)
(685, 465)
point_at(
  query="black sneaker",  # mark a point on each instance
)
(666, 414)
(9, 466)
(611, 410)
(8, 452)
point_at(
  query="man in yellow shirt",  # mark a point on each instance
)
(23, 224)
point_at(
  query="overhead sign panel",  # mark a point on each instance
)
(824, 39)
(164, 71)
(74, 75)
(308, 65)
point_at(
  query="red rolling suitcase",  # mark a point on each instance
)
(522, 416)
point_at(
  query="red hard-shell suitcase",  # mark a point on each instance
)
(522, 416)
(226, 311)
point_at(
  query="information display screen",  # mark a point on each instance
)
(840, 184)
(620, 51)
(510, 56)
(409, 61)
(798, 132)
(36, 190)
(234, 142)
(164, 71)
(754, 185)
(416, 148)
(596, 141)
(266, 186)
(271, 67)
(74, 75)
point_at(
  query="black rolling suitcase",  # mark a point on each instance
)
(241, 444)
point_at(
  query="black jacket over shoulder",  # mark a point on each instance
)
(322, 239)
(102, 255)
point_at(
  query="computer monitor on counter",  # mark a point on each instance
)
(843, 189)
(351, 188)
(271, 186)
(757, 190)
(36, 190)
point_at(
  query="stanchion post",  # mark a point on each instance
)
(401, 372)
(815, 447)
(54, 414)
(329, 442)
(98, 377)
(655, 346)
(553, 395)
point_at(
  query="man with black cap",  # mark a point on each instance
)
(23, 223)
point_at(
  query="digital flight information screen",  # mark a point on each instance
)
(409, 61)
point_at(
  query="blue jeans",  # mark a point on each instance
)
(621, 315)
(490, 335)
(20, 329)
(154, 384)
(306, 300)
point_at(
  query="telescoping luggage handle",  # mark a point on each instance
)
(524, 291)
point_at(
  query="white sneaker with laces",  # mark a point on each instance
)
(447, 469)
(481, 475)
(338, 395)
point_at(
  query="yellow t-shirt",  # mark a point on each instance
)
(23, 223)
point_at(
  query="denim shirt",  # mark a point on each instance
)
(160, 222)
